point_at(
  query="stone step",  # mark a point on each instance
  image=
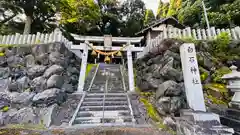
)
(107, 103)
(233, 123)
(126, 124)
(233, 113)
(91, 120)
(100, 108)
(100, 113)
(98, 91)
(106, 99)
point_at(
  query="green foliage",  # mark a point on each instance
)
(220, 14)
(5, 109)
(153, 114)
(222, 42)
(204, 75)
(216, 87)
(162, 10)
(215, 100)
(149, 17)
(216, 76)
(89, 68)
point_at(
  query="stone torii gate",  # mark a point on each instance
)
(107, 40)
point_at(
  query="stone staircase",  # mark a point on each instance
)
(104, 109)
(106, 103)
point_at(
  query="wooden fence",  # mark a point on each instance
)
(196, 34)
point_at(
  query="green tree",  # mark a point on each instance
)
(132, 16)
(162, 10)
(37, 12)
(149, 17)
(221, 13)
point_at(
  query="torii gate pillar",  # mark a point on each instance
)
(130, 70)
(83, 69)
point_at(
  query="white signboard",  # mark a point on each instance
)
(192, 81)
(107, 40)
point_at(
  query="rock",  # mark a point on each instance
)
(55, 81)
(42, 59)
(49, 97)
(144, 85)
(14, 61)
(45, 114)
(40, 50)
(38, 84)
(157, 59)
(56, 58)
(170, 105)
(176, 104)
(4, 73)
(74, 79)
(176, 56)
(9, 53)
(54, 69)
(4, 103)
(22, 98)
(167, 72)
(13, 87)
(18, 73)
(23, 83)
(29, 61)
(68, 88)
(23, 116)
(23, 50)
(169, 122)
(72, 70)
(154, 83)
(4, 84)
(36, 71)
(168, 88)
(6, 116)
(205, 60)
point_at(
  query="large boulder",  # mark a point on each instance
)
(38, 84)
(22, 98)
(23, 83)
(55, 81)
(4, 73)
(170, 105)
(4, 103)
(23, 116)
(14, 61)
(49, 97)
(54, 69)
(56, 58)
(68, 88)
(169, 73)
(19, 85)
(169, 88)
(42, 59)
(36, 71)
(72, 70)
(29, 61)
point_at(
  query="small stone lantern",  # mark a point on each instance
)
(233, 79)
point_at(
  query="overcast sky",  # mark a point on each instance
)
(152, 4)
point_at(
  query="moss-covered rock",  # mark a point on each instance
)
(216, 76)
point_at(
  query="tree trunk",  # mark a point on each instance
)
(28, 23)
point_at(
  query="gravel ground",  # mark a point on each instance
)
(92, 131)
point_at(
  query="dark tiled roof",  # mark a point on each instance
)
(168, 20)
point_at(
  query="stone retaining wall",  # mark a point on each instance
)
(33, 77)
